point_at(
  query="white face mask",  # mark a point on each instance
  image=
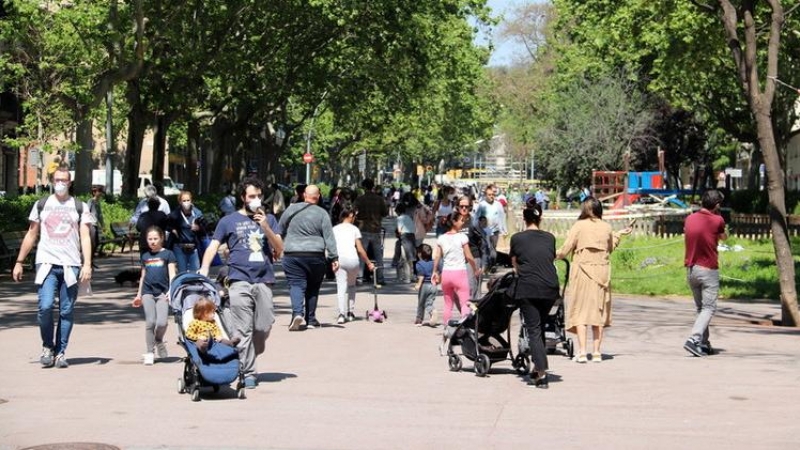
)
(254, 205)
(61, 188)
(187, 205)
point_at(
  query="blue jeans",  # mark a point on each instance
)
(187, 262)
(705, 290)
(373, 244)
(304, 274)
(67, 296)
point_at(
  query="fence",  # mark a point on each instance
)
(662, 224)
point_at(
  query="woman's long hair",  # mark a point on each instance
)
(591, 208)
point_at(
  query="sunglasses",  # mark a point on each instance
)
(463, 206)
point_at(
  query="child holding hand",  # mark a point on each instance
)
(158, 270)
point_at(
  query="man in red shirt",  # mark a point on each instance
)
(702, 231)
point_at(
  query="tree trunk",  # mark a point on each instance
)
(83, 161)
(137, 125)
(777, 213)
(193, 145)
(159, 148)
(760, 103)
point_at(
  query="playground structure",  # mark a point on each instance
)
(627, 188)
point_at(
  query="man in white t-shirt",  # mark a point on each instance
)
(63, 229)
(495, 215)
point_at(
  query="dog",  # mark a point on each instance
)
(131, 275)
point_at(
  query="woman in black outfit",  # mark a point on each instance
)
(532, 254)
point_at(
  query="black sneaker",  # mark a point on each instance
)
(707, 348)
(351, 317)
(314, 324)
(540, 382)
(693, 347)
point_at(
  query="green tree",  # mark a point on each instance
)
(590, 125)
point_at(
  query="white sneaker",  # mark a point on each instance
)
(341, 319)
(434, 320)
(161, 351)
(148, 359)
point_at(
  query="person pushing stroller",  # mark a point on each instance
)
(532, 254)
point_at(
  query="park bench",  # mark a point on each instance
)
(10, 243)
(122, 235)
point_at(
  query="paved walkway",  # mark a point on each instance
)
(365, 385)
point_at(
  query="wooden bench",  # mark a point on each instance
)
(10, 243)
(123, 235)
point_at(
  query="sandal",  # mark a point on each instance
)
(597, 357)
(580, 359)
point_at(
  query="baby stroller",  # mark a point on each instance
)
(219, 365)
(480, 334)
(554, 332)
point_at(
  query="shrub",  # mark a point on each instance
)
(751, 201)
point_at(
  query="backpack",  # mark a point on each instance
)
(78, 208)
(42, 201)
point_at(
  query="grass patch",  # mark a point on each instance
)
(653, 266)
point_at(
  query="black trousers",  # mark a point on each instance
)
(534, 313)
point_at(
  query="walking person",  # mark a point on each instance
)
(152, 216)
(443, 207)
(98, 191)
(495, 214)
(590, 241)
(253, 240)
(532, 254)
(158, 270)
(63, 257)
(702, 232)
(476, 239)
(371, 209)
(452, 248)
(309, 240)
(186, 229)
(426, 290)
(406, 249)
(349, 248)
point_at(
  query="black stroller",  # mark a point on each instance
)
(480, 334)
(219, 365)
(554, 332)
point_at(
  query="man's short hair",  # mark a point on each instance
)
(368, 184)
(711, 199)
(150, 191)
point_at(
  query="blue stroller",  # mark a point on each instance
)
(219, 365)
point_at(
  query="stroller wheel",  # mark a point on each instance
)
(196, 395)
(522, 364)
(240, 393)
(454, 362)
(181, 386)
(482, 365)
(570, 347)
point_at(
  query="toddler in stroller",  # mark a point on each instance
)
(480, 334)
(211, 357)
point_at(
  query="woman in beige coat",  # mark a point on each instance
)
(590, 241)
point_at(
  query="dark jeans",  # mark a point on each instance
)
(304, 275)
(534, 314)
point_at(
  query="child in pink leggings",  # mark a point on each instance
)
(453, 250)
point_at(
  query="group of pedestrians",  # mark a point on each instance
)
(308, 243)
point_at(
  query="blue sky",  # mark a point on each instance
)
(504, 51)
